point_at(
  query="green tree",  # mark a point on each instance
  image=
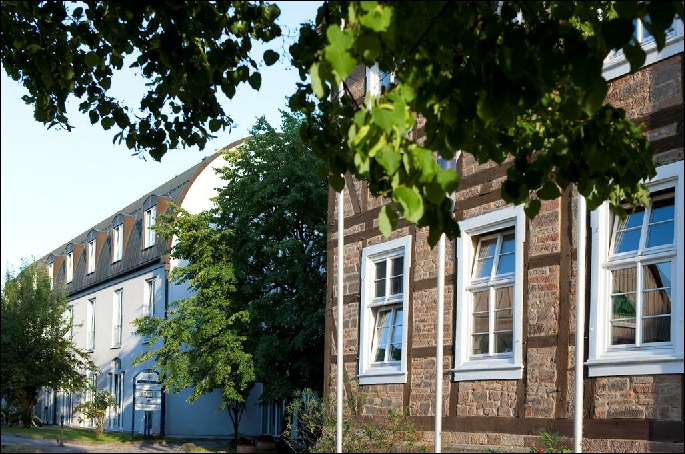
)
(485, 82)
(201, 342)
(257, 266)
(273, 208)
(95, 409)
(36, 348)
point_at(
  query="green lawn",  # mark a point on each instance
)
(83, 436)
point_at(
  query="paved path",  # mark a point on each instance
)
(51, 446)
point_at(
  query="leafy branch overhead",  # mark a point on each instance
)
(516, 83)
(62, 49)
(520, 84)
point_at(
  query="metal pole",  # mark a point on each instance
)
(438, 344)
(339, 341)
(580, 328)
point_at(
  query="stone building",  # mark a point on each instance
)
(510, 298)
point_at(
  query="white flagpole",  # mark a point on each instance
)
(580, 328)
(339, 341)
(438, 344)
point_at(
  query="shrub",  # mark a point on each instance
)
(550, 443)
(316, 431)
(96, 409)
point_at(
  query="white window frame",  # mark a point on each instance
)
(150, 292)
(395, 371)
(116, 388)
(70, 267)
(149, 301)
(468, 366)
(90, 324)
(117, 317)
(603, 359)
(91, 256)
(616, 64)
(149, 220)
(117, 243)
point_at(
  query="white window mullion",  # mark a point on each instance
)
(639, 289)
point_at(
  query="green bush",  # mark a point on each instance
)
(316, 430)
(550, 443)
(96, 409)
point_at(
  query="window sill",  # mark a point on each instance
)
(635, 363)
(372, 377)
(488, 370)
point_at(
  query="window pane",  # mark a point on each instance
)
(504, 320)
(656, 322)
(660, 234)
(624, 280)
(396, 343)
(480, 301)
(480, 344)
(380, 279)
(504, 342)
(381, 335)
(656, 329)
(623, 331)
(486, 257)
(658, 275)
(506, 263)
(504, 297)
(397, 270)
(481, 322)
(627, 240)
(628, 232)
(508, 244)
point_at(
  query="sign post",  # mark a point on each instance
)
(147, 397)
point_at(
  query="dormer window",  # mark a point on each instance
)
(51, 271)
(118, 239)
(70, 263)
(149, 221)
(92, 244)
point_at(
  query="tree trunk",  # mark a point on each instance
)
(26, 398)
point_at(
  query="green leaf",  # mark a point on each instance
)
(635, 55)
(532, 208)
(387, 219)
(369, 47)
(270, 57)
(317, 85)
(107, 122)
(617, 32)
(549, 191)
(91, 59)
(389, 158)
(449, 180)
(255, 80)
(378, 17)
(594, 98)
(337, 52)
(410, 202)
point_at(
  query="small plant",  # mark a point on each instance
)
(96, 409)
(317, 427)
(550, 443)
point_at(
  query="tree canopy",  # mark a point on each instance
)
(256, 263)
(494, 79)
(37, 350)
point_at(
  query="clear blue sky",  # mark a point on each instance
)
(54, 183)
